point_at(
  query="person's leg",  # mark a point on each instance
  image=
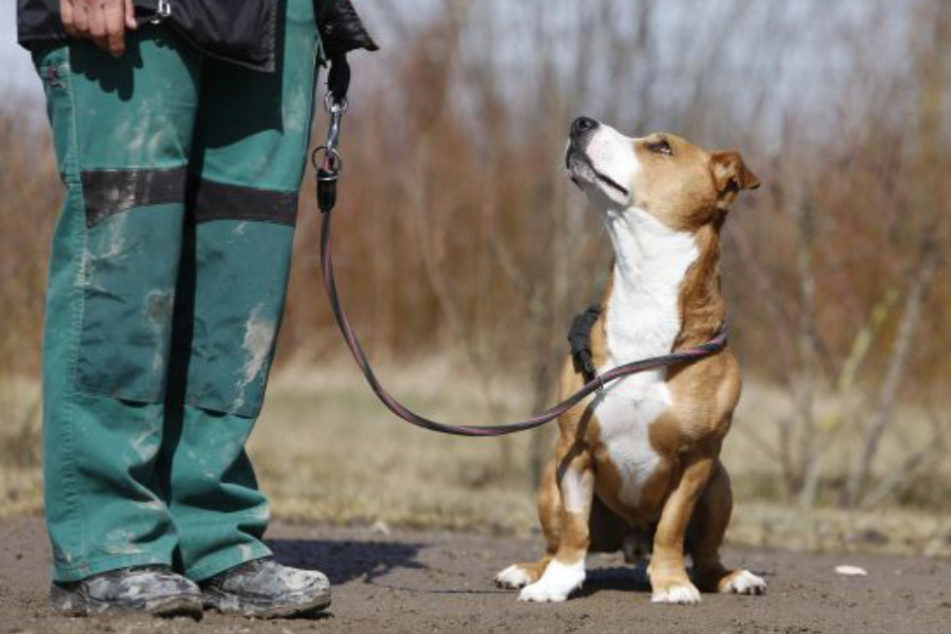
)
(250, 149)
(122, 131)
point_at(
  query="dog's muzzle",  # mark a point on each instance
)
(576, 155)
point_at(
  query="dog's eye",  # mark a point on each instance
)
(661, 147)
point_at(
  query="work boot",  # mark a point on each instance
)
(265, 589)
(154, 589)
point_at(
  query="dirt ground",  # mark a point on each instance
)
(408, 581)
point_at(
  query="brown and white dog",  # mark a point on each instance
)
(642, 457)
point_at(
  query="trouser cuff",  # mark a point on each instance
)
(234, 556)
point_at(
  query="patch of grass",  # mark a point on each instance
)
(889, 530)
(21, 489)
(326, 451)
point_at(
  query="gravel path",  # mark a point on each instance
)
(442, 582)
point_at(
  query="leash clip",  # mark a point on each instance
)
(326, 158)
(335, 108)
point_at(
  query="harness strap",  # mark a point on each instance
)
(579, 338)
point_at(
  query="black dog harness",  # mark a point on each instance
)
(579, 338)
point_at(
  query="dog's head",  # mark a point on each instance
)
(680, 184)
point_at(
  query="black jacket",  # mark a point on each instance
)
(244, 32)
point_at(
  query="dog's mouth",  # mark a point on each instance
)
(576, 161)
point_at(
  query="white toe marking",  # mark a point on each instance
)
(512, 577)
(558, 581)
(681, 594)
(745, 582)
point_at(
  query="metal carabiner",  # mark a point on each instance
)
(336, 110)
(326, 158)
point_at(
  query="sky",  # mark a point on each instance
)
(811, 30)
(16, 70)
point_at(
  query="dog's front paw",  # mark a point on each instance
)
(682, 592)
(513, 578)
(743, 582)
(554, 586)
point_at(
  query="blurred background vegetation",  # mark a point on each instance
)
(463, 253)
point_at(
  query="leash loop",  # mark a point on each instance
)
(711, 347)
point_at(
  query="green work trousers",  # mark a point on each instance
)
(167, 282)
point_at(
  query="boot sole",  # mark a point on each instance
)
(171, 607)
(226, 603)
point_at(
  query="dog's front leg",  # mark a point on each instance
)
(667, 571)
(565, 572)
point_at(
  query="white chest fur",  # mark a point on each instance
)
(642, 320)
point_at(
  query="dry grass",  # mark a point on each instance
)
(21, 485)
(326, 451)
(351, 461)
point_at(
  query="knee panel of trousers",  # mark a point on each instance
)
(238, 262)
(128, 277)
(241, 270)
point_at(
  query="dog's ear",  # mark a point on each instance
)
(731, 176)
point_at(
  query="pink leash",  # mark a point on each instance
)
(328, 172)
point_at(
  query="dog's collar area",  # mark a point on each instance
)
(582, 357)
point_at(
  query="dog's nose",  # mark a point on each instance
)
(582, 125)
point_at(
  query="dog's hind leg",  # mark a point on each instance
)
(704, 536)
(549, 513)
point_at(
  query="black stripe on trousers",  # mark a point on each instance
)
(222, 201)
(108, 192)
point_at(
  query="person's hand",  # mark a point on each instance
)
(102, 21)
